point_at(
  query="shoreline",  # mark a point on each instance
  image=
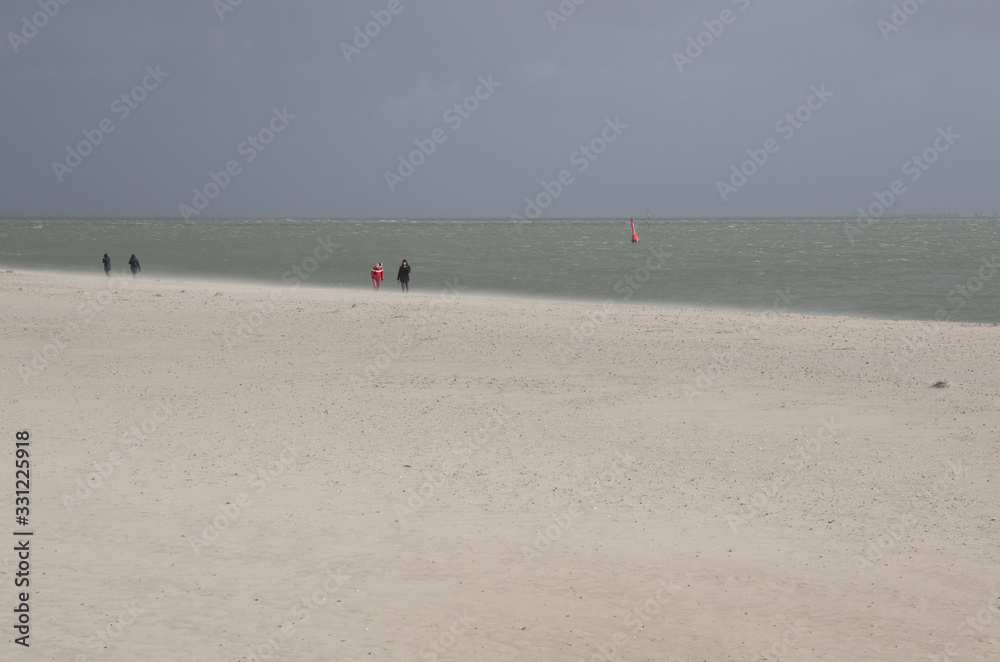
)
(244, 284)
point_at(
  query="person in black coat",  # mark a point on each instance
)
(403, 276)
(133, 264)
(107, 265)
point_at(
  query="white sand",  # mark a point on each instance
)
(489, 495)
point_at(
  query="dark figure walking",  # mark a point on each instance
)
(403, 276)
(133, 264)
(107, 265)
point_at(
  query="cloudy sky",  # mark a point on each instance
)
(137, 109)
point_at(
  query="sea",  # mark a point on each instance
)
(891, 268)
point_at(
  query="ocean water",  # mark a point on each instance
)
(898, 268)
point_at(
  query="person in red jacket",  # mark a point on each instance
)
(378, 274)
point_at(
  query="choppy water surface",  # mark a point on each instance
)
(896, 268)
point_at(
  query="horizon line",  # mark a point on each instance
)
(477, 218)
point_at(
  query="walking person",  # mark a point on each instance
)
(133, 263)
(378, 275)
(403, 276)
(107, 265)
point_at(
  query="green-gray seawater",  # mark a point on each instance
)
(894, 268)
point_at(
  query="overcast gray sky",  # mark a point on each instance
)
(681, 116)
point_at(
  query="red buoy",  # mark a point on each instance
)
(635, 237)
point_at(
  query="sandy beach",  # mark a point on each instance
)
(231, 472)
